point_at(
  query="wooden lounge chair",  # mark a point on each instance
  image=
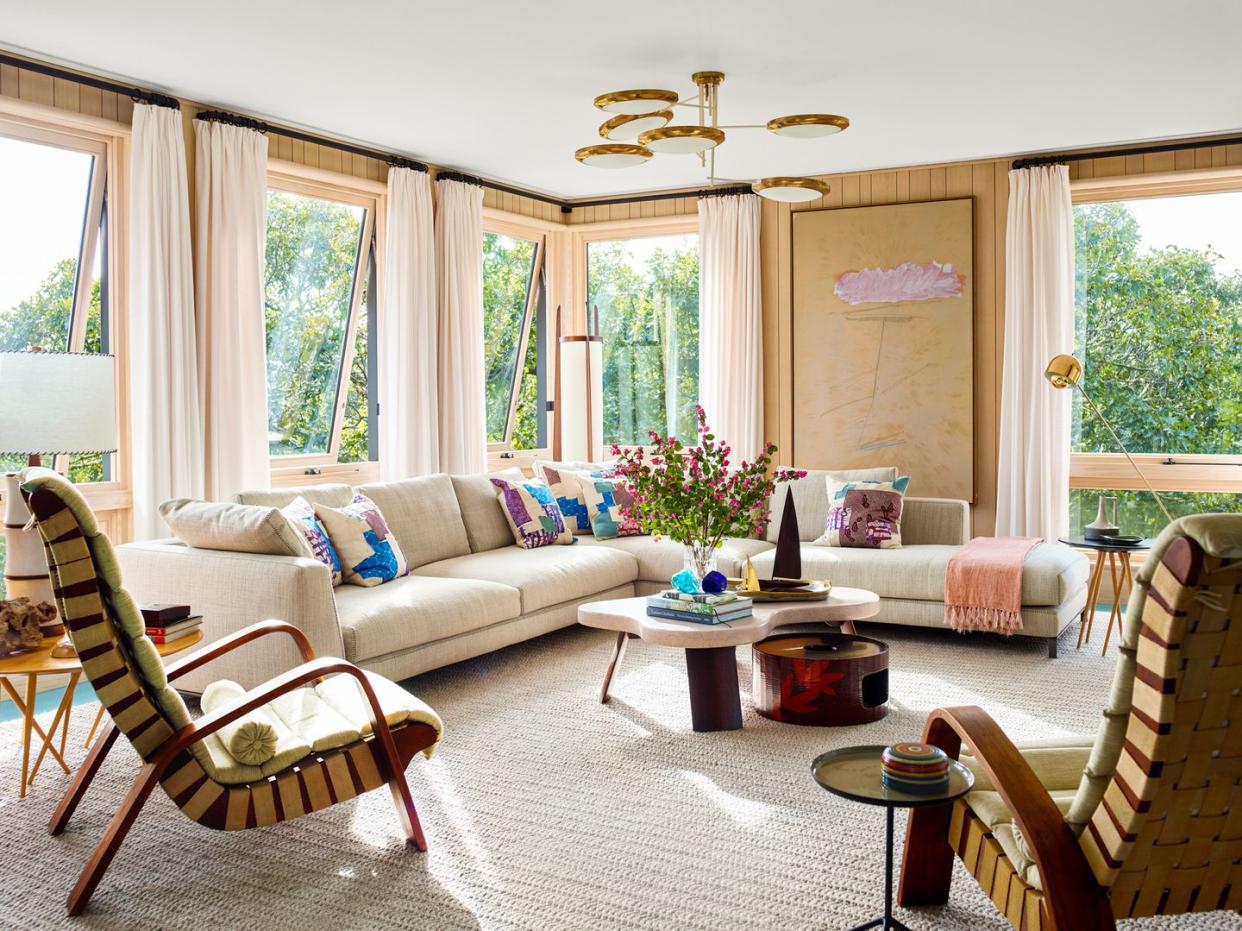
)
(126, 672)
(1147, 818)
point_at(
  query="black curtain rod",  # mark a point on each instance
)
(133, 93)
(667, 195)
(232, 119)
(1209, 142)
(503, 188)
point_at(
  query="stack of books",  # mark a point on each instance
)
(169, 623)
(701, 609)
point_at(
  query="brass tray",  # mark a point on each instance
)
(785, 589)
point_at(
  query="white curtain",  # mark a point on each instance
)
(1032, 482)
(408, 395)
(165, 428)
(231, 188)
(459, 274)
(731, 321)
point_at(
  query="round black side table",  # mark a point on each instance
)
(1117, 555)
(854, 773)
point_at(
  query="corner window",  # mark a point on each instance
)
(1159, 330)
(646, 292)
(318, 314)
(513, 340)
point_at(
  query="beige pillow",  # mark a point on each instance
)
(242, 528)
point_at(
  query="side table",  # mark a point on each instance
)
(41, 662)
(854, 773)
(1118, 558)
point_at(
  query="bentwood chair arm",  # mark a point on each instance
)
(286, 682)
(237, 639)
(1072, 897)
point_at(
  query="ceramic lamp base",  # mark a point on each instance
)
(25, 568)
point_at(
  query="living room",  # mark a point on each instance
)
(715, 467)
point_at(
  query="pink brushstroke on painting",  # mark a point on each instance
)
(906, 282)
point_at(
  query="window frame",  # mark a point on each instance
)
(506, 224)
(370, 195)
(1187, 472)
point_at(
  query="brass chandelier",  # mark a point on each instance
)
(643, 126)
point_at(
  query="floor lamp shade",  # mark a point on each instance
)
(582, 398)
(50, 403)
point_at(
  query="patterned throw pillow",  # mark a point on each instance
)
(604, 499)
(865, 514)
(533, 514)
(368, 551)
(301, 517)
(567, 490)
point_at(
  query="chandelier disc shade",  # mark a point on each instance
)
(791, 190)
(682, 140)
(627, 127)
(808, 125)
(612, 155)
(644, 100)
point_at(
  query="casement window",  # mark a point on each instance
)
(319, 315)
(54, 292)
(1159, 331)
(515, 336)
(645, 290)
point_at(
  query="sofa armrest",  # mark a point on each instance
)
(232, 591)
(944, 521)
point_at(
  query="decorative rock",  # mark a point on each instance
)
(19, 624)
(685, 582)
(714, 582)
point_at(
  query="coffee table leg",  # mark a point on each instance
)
(887, 922)
(714, 701)
(613, 665)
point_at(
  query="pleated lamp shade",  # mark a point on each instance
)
(582, 398)
(57, 402)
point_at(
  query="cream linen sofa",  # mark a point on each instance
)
(471, 590)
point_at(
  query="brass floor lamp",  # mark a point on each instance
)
(1065, 371)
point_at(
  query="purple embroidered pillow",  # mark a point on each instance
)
(533, 514)
(865, 514)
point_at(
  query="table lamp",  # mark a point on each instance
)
(52, 403)
(1064, 372)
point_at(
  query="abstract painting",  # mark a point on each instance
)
(883, 342)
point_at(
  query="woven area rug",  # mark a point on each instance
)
(547, 810)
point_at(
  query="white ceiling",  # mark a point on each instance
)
(503, 88)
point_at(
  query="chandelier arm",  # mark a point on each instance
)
(743, 126)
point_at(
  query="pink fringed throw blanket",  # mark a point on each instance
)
(983, 584)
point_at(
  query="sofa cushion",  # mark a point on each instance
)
(481, 512)
(333, 495)
(415, 610)
(1059, 766)
(659, 559)
(810, 495)
(214, 525)
(1052, 572)
(545, 575)
(423, 515)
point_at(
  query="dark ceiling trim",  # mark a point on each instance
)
(137, 94)
(1205, 143)
(664, 195)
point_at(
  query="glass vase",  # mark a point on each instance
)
(699, 559)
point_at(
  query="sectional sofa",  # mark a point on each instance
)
(471, 590)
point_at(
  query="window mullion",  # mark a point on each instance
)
(82, 280)
(528, 314)
(351, 331)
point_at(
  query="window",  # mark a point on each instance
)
(1159, 330)
(319, 312)
(646, 292)
(513, 340)
(53, 256)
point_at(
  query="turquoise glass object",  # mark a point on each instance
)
(685, 582)
(714, 582)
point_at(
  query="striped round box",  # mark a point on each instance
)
(917, 768)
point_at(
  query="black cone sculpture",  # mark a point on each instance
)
(788, 561)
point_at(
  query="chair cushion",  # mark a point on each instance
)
(333, 495)
(424, 516)
(242, 528)
(810, 496)
(1052, 572)
(333, 714)
(1059, 765)
(659, 559)
(546, 575)
(486, 526)
(409, 612)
